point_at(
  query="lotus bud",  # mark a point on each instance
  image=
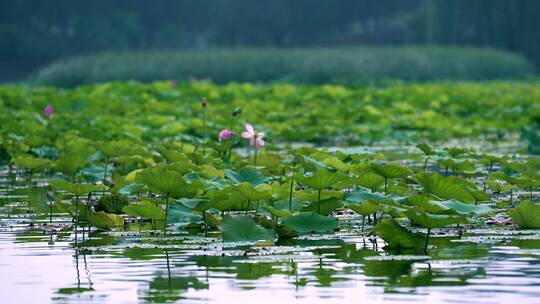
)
(48, 111)
(225, 134)
(236, 111)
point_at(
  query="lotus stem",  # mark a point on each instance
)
(166, 213)
(30, 179)
(204, 131)
(425, 164)
(228, 155)
(385, 185)
(76, 216)
(427, 239)
(255, 156)
(292, 186)
(319, 203)
(105, 174)
(511, 195)
(204, 222)
(363, 220)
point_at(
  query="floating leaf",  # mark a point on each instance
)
(244, 229)
(310, 222)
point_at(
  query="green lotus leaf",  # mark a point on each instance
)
(244, 229)
(279, 213)
(361, 195)
(112, 203)
(313, 195)
(104, 220)
(526, 214)
(396, 235)
(321, 180)
(70, 164)
(462, 208)
(163, 180)
(444, 187)
(251, 193)
(132, 189)
(308, 163)
(429, 220)
(368, 180)
(75, 189)
(365, 208)
(179, 214)
(173, 156)
(311, 222)
(327, 206)
(455, 151)
(247, 174)
(390, 170)
(480, 196)
(295, 203)
(31, 163)
(115, 148)
(145, 209)
(426, 149)
(197, 204)
(337, 164)
(92, 172)
(493, 184)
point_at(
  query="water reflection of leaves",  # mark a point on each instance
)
(168, 289)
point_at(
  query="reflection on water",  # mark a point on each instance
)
(126, 267)
(39, 263)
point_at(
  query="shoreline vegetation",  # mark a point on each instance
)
(347, 65)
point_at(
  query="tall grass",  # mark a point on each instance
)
(313, 66)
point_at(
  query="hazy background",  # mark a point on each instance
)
(34, 33)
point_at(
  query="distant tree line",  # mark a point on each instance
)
(36, 32)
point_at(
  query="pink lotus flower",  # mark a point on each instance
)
(173, 83)
(255, 138)
(225, 134)
(48, 111)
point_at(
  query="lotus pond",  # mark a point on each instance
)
(198, 193)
